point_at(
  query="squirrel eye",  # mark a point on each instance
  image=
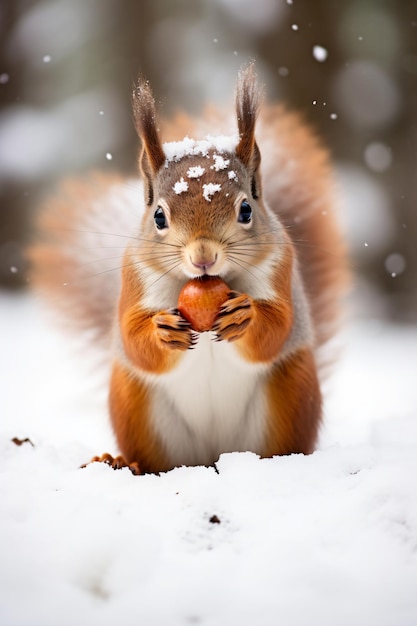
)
(245, 213)
(160, 219)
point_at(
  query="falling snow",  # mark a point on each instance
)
(320, 53)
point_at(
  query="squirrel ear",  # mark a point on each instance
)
(247, 107)
(152, 157)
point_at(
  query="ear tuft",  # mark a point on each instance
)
(144, 112)
(248, 98)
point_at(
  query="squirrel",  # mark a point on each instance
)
(255, 208)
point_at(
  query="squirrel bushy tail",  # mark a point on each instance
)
(81, 235)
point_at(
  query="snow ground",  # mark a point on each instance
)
(329, 539)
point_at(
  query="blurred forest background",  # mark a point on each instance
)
(349, 66)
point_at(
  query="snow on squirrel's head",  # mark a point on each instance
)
(156, 158)
(202, 189)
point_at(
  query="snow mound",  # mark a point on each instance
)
(327, 539)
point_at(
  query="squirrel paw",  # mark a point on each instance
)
(174, 331)
(115, 462)
(234, 317)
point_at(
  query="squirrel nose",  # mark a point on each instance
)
(204, 264)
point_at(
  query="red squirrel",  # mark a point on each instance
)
(255, 208)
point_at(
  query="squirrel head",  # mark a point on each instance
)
(204, 198)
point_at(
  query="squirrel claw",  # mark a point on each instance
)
(234, 317)
(117, 462)
(174, 331)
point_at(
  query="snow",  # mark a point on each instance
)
(177, 150)
(220, 163)
(180, 186)
(232, 175)
(320, 53)
(210, 189)
(327, 539)
(195, 172)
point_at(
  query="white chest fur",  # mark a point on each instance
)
(211, 403)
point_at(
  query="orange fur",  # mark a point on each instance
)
(129, 411)
(308, 212)
(147, 346)
(272, 321)
(294, 406)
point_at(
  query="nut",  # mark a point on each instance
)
(200, 300)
